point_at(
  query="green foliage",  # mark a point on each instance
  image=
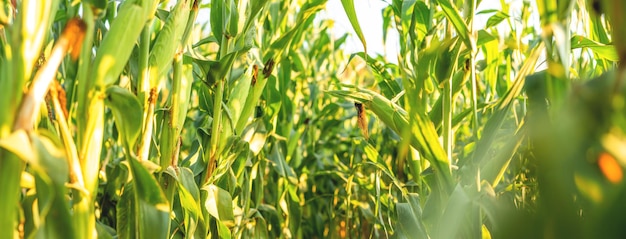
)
(245, 127)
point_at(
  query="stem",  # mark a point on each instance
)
(146, 137)
(171, 129)
(215, 129)
(84, 219)
(472, 68)
(212, 154)
(90, 157)
(144, 93)
(447, 118)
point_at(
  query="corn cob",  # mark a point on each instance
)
(235, 106)
(257, 85)
(169, 40)
(119, 41)
(175, 116)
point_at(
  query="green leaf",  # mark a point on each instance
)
(446, 59)
(206, 40)
(46, 158)
(18, 144)
(389, 87)
(493, 170)
(614, 9)
(424, 135)
(281, 166)
(119, 41)
(256, 7)
(217, 20)
(496, 19)
(387, 17)
(503, 106)
(256, 136)
(348, 6)
(219, 204)
(126, 213)
(50, 160)
(98, 5)
(127, 113)
(189, 195)
(168, 40)
(409, 218)
(422, 20)
(51, 174)
(406, 14)
(295, 209)
(104, 231)
(153, 209)
(454, 17)
(217, 70)
(601, 50)
(161, 14)
(307, 11)
(233, 19)
(458, 208)
(239, 93)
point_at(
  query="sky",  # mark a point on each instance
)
(369, 13)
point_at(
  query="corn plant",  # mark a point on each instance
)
(246, 119)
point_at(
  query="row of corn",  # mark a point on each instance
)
(53, 129)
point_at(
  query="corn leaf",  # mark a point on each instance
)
(503, 107)
(453, 15)
(409, 217)
(51, 176)
(127, 113)
(601, 50)
(348, 7)
(168, 40)
(118, 43)
(152, 219)
(219, 204)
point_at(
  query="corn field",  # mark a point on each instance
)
(248, 119)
